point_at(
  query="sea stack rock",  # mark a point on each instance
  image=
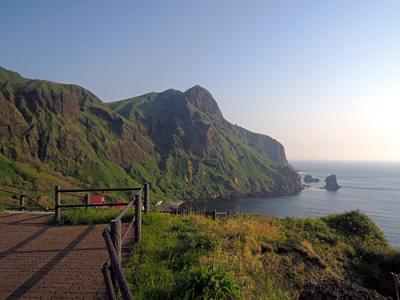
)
(331, 183)
(309, 179)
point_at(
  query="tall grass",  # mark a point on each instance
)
(193, 257)
(255, 257)
(83, 216)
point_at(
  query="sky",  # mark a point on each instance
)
(322, 77)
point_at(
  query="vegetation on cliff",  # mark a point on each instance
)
(179, 142)
(254, 257)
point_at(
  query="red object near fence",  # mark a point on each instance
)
(97, 199)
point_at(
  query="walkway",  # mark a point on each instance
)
(38, 261)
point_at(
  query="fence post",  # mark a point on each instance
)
(57, 207)
(146, 197)
(138, 218)
(215, 214)
(22, 201)
(116, 237)
(87, 200)
(118, 271)
(110, 285)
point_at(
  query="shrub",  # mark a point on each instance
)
(203, 242)
(204, 283)
(354, 223)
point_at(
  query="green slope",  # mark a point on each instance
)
(212, 156)
(53, 133)
(343, 256)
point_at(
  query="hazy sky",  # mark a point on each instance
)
(322, 77)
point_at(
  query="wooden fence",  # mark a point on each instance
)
(23, 199)
(113, 273)
(58, 191)
(214, 214)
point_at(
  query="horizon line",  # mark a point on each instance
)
(345, 160)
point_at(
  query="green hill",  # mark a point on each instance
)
(179, 142)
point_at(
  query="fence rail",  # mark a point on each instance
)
(100, 190)
(23, 199)
(213, 213)
(58, 191)
(112, 270)
(113, 273)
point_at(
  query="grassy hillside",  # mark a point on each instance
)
(210, 157)
(54, 133)
(179, 142)
(254, 257)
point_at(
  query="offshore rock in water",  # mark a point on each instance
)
(331, 183)
(309, 179)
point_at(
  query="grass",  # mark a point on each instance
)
(167, 265)
(193, 257)
(255, 257)
(85, 216)
(250, 257)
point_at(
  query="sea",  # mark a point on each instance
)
(372, 187)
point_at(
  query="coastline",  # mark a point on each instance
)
(185, 204)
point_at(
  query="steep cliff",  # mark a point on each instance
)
(178, 141)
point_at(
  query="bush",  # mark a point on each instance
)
(354, 223)
(203, 242)
(204, 283)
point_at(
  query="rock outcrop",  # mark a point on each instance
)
(333, 289)
(309, 179)
(331, 183)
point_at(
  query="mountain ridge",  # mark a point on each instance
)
(177, 141)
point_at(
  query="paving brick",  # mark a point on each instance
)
(39, 261)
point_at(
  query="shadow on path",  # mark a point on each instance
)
(23, 242)
(28, 219)
(9, 215)
(35, 278)
(57, 250)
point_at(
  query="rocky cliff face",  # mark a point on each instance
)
(178, 141)
(64, 132)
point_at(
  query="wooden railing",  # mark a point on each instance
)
(23, 198)
(214, 214)
(113, 273)
(58, 191)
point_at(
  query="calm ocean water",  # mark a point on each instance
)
(372, 187)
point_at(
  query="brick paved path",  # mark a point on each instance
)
(38, 261)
